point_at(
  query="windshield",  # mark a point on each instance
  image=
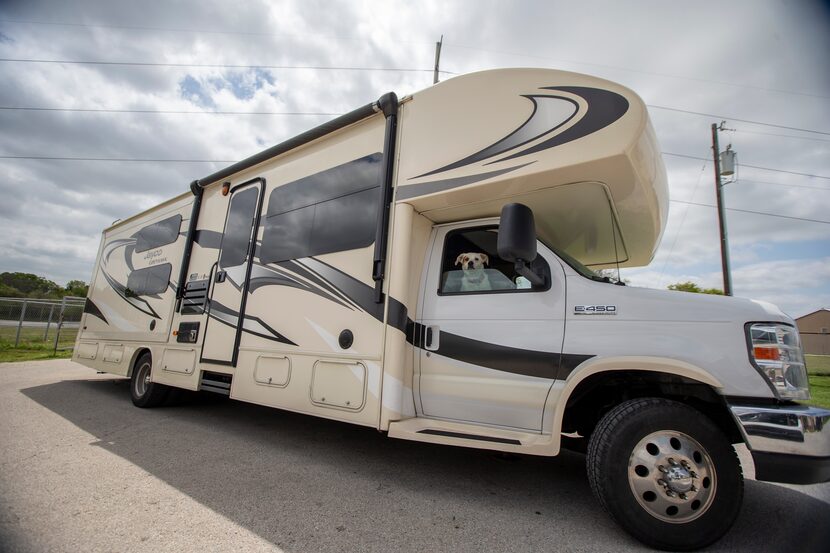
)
(578, 266)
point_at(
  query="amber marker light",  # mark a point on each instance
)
(766, 353)
(226, 187)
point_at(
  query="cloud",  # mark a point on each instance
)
(769, 68)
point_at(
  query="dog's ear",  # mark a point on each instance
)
(485, 259)
(459, 259)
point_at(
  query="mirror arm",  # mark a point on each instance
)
(524, 269)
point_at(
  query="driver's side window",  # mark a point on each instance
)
(470, 264)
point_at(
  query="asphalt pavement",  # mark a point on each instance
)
(81, 469)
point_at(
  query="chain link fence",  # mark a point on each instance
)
(37, 323)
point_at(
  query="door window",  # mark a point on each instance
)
(237, 240)
(471, 265)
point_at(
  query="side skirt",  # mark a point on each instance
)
(470, 435)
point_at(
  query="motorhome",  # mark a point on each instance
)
(424, 266)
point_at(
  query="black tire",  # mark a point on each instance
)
(144, 392)
(645, 450)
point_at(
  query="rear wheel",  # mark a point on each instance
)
(665, 473)
(144, 392)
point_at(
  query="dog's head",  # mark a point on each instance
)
(472, 260)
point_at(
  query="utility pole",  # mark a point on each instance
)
(437, 59)
(724, 242)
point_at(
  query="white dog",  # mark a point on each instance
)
(475, 279)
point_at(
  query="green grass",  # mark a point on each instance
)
(818, 364)
(32, 345)
(820, 389)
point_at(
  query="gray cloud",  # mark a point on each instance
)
(762, 61)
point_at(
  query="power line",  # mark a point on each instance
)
(118, 159)
(736, 119)
(641, 71)
(755, 212)
(177, 112)
(752, 166)
(782, 135)
(783, 184)
(222, 65)
(196, 31)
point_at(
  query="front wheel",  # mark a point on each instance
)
(665, 473)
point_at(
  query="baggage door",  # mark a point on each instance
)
(488, 343)
(229, 278)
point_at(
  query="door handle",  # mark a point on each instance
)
(432, 338)
(220, 276)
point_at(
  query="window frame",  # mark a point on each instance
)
(453, 232)
(132, 293)
(154, 246)
(374, 187)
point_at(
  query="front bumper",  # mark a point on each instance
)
(789, 443)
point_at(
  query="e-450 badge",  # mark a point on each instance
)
(595, 309)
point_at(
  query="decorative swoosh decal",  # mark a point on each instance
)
(119, 288)
(550, 113)
(604, 108)
(250, 324)
(92, 309)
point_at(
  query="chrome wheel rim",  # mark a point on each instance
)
(142, 379)
(672, 476)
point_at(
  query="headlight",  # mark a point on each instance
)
(775, 350)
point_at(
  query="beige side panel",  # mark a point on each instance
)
(132, 295)
(179, 360)
(113, 353)
(273, 370)
(339, 384)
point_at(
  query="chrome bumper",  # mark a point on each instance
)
(789, 443)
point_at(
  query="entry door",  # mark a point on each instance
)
(488, 344)
(226, 309)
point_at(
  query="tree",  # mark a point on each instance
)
(690, 286)
(31, 286)
(77, 288)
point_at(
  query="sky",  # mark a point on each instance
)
(177, 75)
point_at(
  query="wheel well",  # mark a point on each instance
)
(136, 356)
(599, 393)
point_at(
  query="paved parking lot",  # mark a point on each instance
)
(81, 469)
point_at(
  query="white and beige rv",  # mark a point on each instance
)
(422, 266)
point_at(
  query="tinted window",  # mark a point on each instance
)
(334, 210)
(471, 264)
(152, 280)
(158, 234)
(238, 228)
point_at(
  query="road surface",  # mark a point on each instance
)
(81, 469)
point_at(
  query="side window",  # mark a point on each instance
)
(471, 265)
(158, 234)
(237, 239)
(149, 281)
(330, 211)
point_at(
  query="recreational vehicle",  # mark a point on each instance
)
(423, 266)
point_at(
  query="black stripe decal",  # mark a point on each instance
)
(413, 190)
(538, 364)
(208, 239)
(250, 324)
(92, 309)
(470, 436)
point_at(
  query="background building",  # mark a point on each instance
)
(815, 332)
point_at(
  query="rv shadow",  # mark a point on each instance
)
(308, 484)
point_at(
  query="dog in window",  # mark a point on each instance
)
(475, 277)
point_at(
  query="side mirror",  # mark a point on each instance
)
(517, 240)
